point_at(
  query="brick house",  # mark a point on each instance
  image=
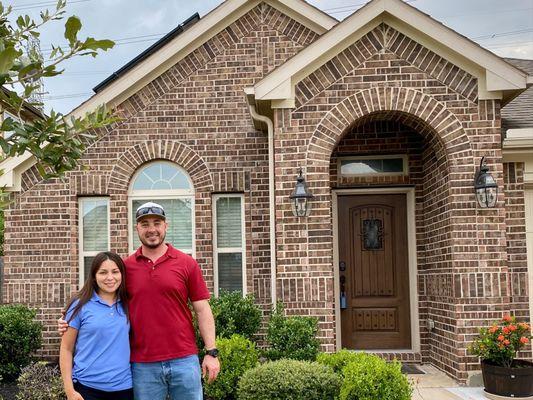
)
(388, 114)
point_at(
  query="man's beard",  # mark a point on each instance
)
(151, 245)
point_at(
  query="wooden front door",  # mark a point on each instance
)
(374, 272)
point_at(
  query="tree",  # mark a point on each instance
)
(56, 141)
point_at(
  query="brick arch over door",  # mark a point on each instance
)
(192, 163)
(442, 123)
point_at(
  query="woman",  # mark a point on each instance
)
(95, 350)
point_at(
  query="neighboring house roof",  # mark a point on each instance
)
(148, 52)
(518, 113)
(180, 45)
(496, 78)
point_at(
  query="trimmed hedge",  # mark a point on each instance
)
(289, 379)
(292, 337)
(371, 378)
(340, 359)
(235, 314)
(237, 355)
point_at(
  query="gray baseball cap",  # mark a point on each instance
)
(150, 209)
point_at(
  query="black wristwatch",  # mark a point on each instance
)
(212, 352)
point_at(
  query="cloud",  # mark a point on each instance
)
(151, 20)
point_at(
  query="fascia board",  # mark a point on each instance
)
(307, 15)
(519, 139)
(324, 47)
(159, 62)
(496, 82)
(12, 169)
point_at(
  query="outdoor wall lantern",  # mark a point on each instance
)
(301, 197)
(486, 187)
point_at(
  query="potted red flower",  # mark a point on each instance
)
(503, 374)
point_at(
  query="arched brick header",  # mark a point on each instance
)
(170, 150)
(427, 113)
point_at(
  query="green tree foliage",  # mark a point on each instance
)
(20, 337)
(56, 141)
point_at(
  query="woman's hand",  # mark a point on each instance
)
(74, 396)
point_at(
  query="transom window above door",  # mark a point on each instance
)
(373, 165)
(169, 185)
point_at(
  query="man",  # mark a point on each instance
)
(161, 281)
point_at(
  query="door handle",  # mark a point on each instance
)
(343, 302)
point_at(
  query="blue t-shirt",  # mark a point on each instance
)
(102, 352)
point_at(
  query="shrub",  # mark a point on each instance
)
(235, 314)
(291, 337)
(38, 381)
(289, 379)
(371, 377)
(340, 359)
(236, 355)
(20, 336)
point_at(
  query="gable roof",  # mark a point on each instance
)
(496, 78)
(164, 54)
(179, 46)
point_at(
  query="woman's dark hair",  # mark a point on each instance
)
(90, 286)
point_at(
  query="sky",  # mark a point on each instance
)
(503, 27)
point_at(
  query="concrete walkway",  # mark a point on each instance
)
(436, 385)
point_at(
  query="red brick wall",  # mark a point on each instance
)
(463, 263)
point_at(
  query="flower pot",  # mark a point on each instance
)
(516, 381)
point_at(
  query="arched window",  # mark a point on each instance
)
(167, 184)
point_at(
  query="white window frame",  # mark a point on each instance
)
(82, 254)
(242, 249)
(404, 157)
(154, 195)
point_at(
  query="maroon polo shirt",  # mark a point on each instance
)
(161, 321)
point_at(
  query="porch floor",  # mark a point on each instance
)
(436, 385)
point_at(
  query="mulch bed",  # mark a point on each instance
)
(8, 391)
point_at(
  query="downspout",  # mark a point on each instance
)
(272, 199)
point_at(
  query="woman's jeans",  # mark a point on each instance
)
(179, 378)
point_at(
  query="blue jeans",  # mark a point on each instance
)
(180, 378)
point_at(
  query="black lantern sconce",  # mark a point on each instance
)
(301, 197)
(485, 186)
